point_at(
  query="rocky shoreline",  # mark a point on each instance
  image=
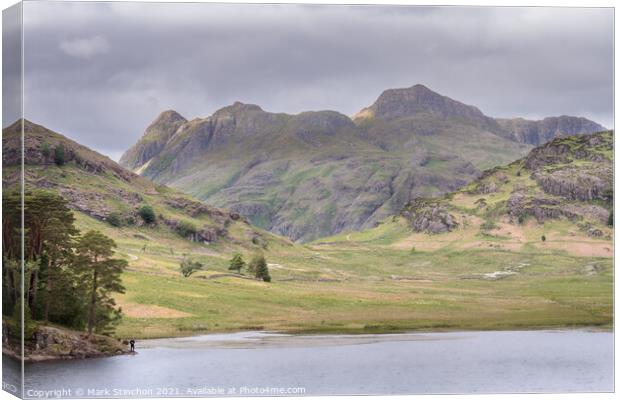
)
(51, 343)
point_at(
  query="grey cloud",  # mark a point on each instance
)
(85, 47)
(196, 58)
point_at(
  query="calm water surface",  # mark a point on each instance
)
(252, 363)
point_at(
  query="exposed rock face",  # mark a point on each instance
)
(587, 148)
(577, 184)
(154, 139)
(539, 132)
(541, 208)
(429, 217)
(196, 209)
(576, 168)
(570, 172)
(569, 178)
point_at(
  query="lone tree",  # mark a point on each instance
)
(188, 267)
(543, 238)
(610, 219)
(258, 266)
(237, 263)
(103, 274)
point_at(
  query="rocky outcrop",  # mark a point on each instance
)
(205, 234)
(578, 183)
(196, 209)
(51, 343)
(576, 168)
(521, 205)
(429, 217)
(565, 150)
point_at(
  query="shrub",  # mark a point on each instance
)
(114, 219)
(59, 155)
(543, 238)
(131, 220)
(186, 229)
(610, 219)
(46, 152)
(147, 214)
(188, 267)
(521, 219)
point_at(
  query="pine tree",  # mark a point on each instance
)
(102, 274)
(237, 263)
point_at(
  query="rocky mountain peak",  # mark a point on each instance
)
(417, 100)
(153, 140)
(237, 108)
(168, 117)
(407, 102)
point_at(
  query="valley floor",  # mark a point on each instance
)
(383, 280)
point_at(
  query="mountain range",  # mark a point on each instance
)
(318, 173)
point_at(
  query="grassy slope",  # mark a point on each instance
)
(372, 281)
(366, 281)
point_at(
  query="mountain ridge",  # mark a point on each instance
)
(317, 173)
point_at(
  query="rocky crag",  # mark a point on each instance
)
(569, 177)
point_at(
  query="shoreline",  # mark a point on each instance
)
(386, 331)
(50, 343)
(278, 338)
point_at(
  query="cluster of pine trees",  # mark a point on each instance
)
(68, 278)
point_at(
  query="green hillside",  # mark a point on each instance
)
(486, 268)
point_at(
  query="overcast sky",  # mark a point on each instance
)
(100, 72)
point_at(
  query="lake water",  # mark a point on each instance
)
(253, 363)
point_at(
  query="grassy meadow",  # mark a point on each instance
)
(386, 279)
